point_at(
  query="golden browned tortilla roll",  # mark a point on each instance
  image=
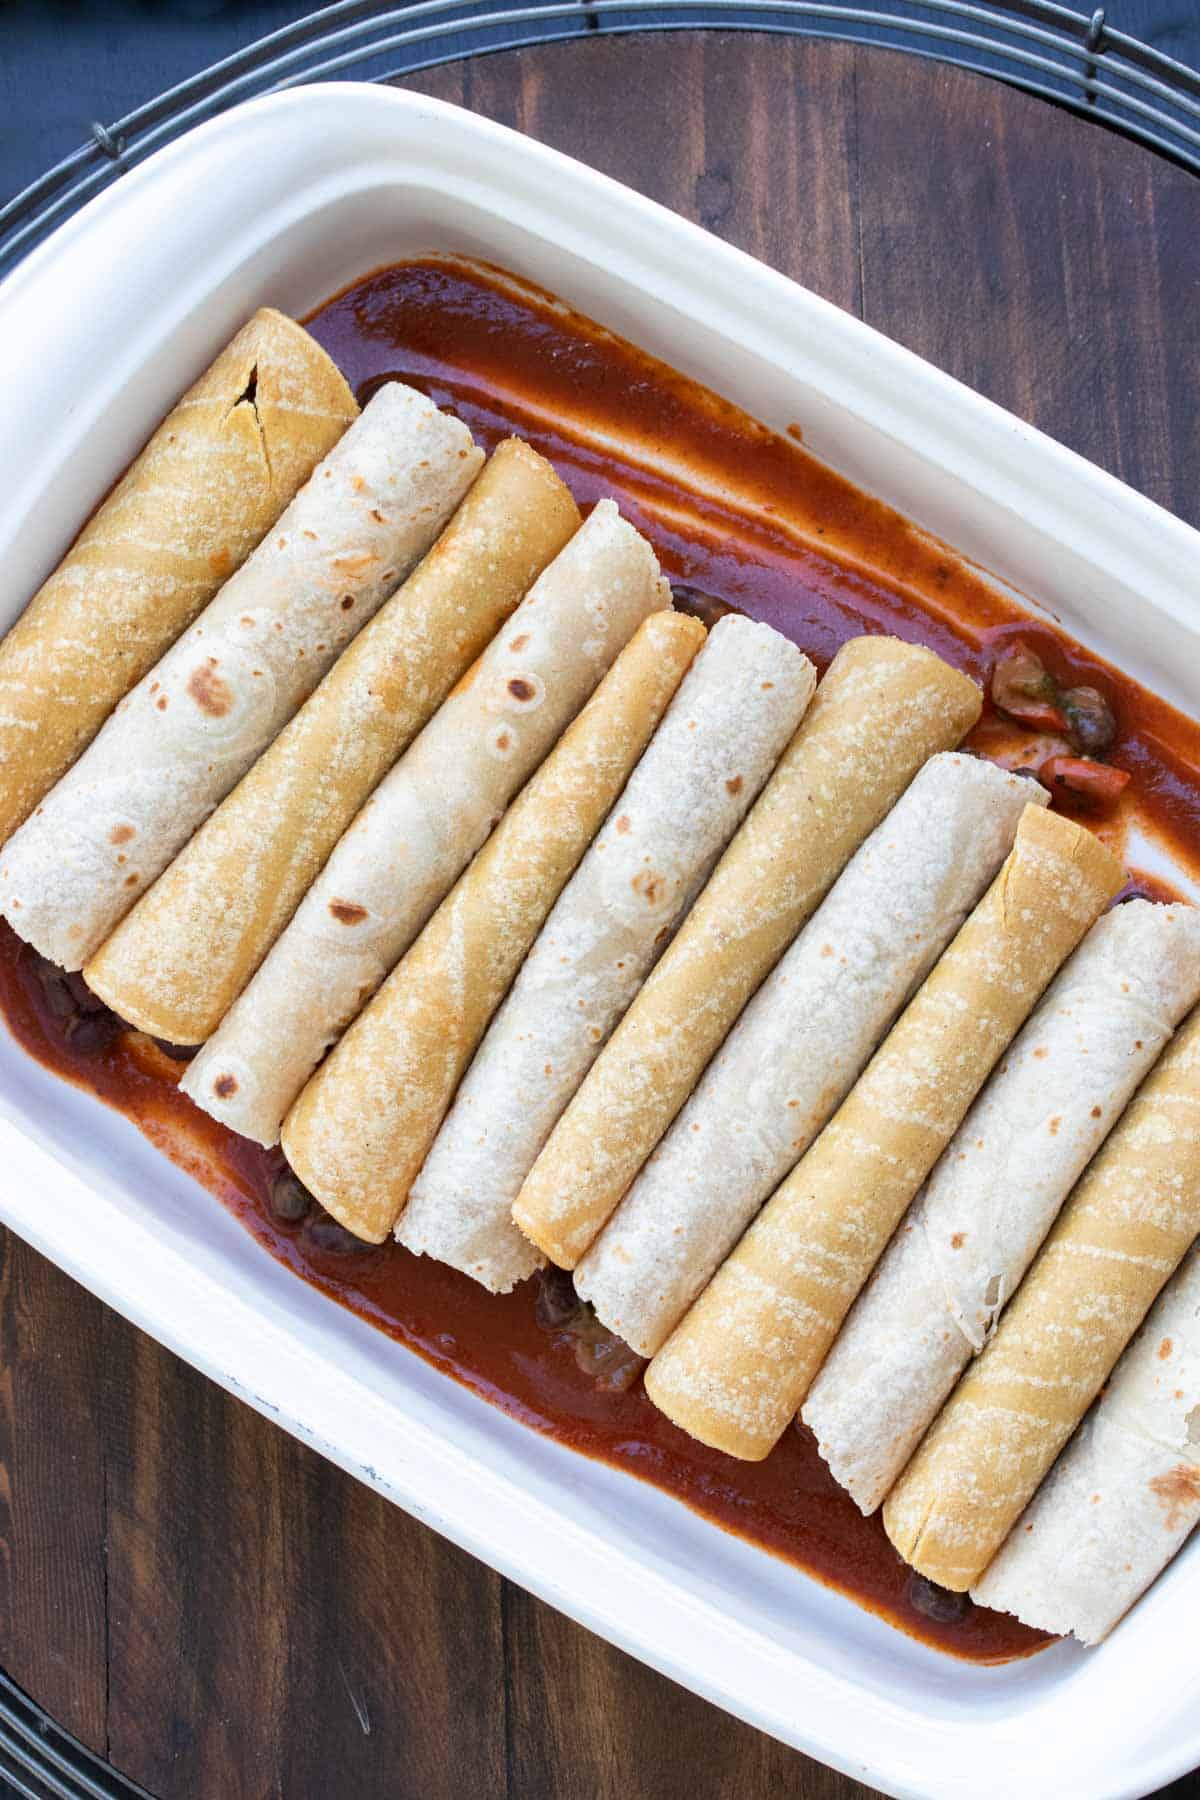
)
(208, 486)
(739, 705)
(800, 1044)
(882, 710)
(1125, 1493)
(401, 1060)
(177, 962)
(739, 1365)
(976, 1226)
(195, 722)
(1114, 1246)
(423, 824)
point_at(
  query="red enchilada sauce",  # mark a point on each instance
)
(741, 519)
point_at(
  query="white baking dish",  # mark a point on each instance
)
(285, 200)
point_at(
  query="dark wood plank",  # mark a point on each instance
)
(587, 1722)
(754, 139)
(276, 1629)
(1070, 306)
(52, 1500)
(273, 1628)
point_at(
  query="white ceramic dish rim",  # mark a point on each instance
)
(170, 260)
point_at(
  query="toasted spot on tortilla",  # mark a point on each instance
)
(1178, 1492)
(347, 912)
(649, 885)
(225, 1087)
(211, 694)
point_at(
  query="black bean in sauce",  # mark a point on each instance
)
(87, 1024)
(557, 1303)
(599, 1352)
(289, 1199)
(940, 1604)
(324, 1233)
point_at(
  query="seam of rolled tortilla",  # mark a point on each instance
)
(401, 1060)
(206, 488)
(1113, 1247)
(737, 1368)
(1124, 1495)
(977, 1224)
(801, 1044)
(432, 812)
(737, 707)
(881, 710)
(177, 962)
(184, 736)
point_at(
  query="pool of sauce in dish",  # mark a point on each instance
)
(744, 519)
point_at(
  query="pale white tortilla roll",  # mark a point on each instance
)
(418, 831)
(206, 489)
(881, 710)
(196, 721)
(401, 1060)
(801, 1043)
(738, 706)
(1124, 1495)
(972, 1233)
(1117, 1242)
(177, 962)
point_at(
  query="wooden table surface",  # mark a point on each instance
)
(192, 1593)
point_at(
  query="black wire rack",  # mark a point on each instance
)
(1073, 58)
(41, 1761)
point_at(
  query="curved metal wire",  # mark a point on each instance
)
(1045, 48)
